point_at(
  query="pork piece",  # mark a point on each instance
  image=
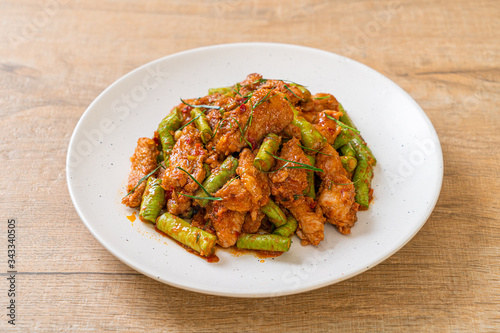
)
(228, 138)
(227, 223)
(240, 196)
(234, 196)
(227, 216)
(200, 222)
(251, 83)
(326, 126)
(339, 207)
(213, 158)
(189, 154)
(311, 222)
(257, 186)
(270, 113)
(320, 102)
(185, 107)
(214, 117)
(251, 224)
(254, 181)
(292, 131)
(336, 194)
(329, 162)
(143, 162)
(292, 92)
(288, 184)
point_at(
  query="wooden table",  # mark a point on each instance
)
(57, 56)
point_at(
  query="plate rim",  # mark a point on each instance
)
(432, 202)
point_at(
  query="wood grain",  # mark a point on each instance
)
(57, 56)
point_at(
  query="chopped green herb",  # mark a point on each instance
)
(317, 151)
(237, 89)
(241, 131)
(217, 128)
(289, 81)
(284, 166)
(341, 124)
(189, 122)
(142, 180)
(302, 165)
(263, 99)
(201, 106)
(194, 179)
(234, 178)
(201, 198)
(290, 90)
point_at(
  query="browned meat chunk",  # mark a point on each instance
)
(320, 102)
(251, 83)
(234, 196)
(251, 224)
(328, 127)
(227, 216)
(336, 194)
(311, 222)
(292, 131)
(288, 184)
(266, 112)
(189, 154)
(143, 162)
(255, 182)
(227, 223)
(292, 92)
(337, 202)
(329, 162)
(271, 114)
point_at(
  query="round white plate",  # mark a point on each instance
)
(407, 178)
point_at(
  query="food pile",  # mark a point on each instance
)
(251, 165)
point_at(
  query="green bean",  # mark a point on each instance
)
(264, 242)
(360, 146)
(348, 150)
(287, 229)
(167, 126)
(152, 201)
(356, 140)
(160, 158)
(195, 238)
(264, 161)
(345, 136)
(208, 171)
(201, 123)
(217, 179)
(274, 213)
(362, 178)
(344, 118)
(310, 136)
(309, 191)
(349, 163)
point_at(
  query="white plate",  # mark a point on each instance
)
(407, 178)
